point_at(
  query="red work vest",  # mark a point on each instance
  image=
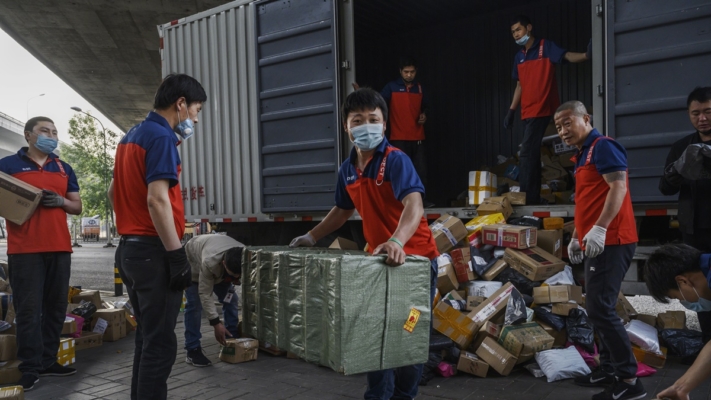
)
(590, 194)
(405, 110)
(539, 89)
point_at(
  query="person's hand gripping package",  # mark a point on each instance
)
(303, 241)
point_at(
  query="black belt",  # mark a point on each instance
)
(153, 240)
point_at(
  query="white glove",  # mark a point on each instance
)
(575, 253)
(595, 241)
(305, 240)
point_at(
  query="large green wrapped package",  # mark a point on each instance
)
(344, 311)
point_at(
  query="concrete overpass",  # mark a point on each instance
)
(105, 50)
(11, 135)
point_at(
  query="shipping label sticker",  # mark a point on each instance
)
(228, 298)
(412, 320)
(101, 325)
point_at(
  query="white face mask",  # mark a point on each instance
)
(699, 305)
(523, 40)
(185, 128)
(367, 136)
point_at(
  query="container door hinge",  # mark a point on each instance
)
(345, 64)
(598, 10)
(600, 90)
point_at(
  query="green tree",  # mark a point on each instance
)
(91, 156)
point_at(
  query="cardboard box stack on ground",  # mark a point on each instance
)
(115, 324)
(89, 295)
(475, 226)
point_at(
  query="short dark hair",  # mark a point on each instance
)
(233, 260)
(175, 86)
(522, 19)
(577, 107)
(700, 94)
(665, 264)
(32, 122)
(407, 61)
(364, 99)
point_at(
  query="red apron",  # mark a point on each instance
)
(590, 194)
(405, 110)
(539, 89)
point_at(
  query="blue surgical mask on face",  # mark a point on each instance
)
(697, 306)
(45, 145)
(185, 128)
(523, 40)
(367, 136)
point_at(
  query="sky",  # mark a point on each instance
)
(23, 78)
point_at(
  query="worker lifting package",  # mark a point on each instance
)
(345, 310)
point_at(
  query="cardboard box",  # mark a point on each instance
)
(492, 329)
(89, 295)
(18, 200)
(671, 320)
(494, 205)
(474, 301)
(557, 294)
(71, 307)
(471, 364)
(453, 295)
(563, 308)
(551, 240)
(447, 231)
(70, 326)
(534, 263)
(516, 198)
(495, 304)
(344, 244)
(66, 355)
(482, 184)
(648, 319)
(239, 350)
(496, 356)
(12, 393)
(624, 308)
(462, 263)
(454, 324)
(553, 223)
(8, 347)
(513, 236)
(475, 225)
(116, 319)
(559, 337)
(647, 357)
(523, 341)
(10, 372)
(495, 270)
(446, 278)
(88, 340)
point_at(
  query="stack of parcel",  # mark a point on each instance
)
(506, 298)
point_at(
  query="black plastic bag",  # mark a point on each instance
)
(580, 330)
(527, 220)
(439, 342)
(515, 309)
(452, 355)
(430, 367)
(544, 314)
(523, 284)
(482, 259)
(460, 305)
(683, 342)
(527, 299)
(85, 310)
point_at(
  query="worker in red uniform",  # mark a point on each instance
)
(39, 252)
(380, 182)
(537, 92)
(150, 217)
(605, 236)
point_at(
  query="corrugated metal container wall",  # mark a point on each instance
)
(220, 176)
(466, 66)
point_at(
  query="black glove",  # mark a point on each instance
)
(672, 176)
(508, 120)
(179, 270)
(51, 199)
(588, 52)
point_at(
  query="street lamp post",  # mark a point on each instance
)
(109, 212)
(28, 104)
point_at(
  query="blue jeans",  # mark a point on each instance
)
(144, 269)
(399, 383)
(40, 285)
(193, 312)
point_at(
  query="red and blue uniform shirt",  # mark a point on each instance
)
(405, 106)
(147, 153)
(598, 156)
(535, 70)
(378, 197)
(46, 230)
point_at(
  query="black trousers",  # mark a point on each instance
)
(529, 176)
(415, 149)
(701, 239)
(603, 279)
(144, 269)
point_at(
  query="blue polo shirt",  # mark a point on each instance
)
(608, 156)
(551, 51)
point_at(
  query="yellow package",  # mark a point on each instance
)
(553, 223)
(474, 227)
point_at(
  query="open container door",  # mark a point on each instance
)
(656, 52)
(297, 83)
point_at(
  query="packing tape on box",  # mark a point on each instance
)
(449, 236)
(500, 238)
(482, 189)
(528, 238)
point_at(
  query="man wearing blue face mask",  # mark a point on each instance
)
(150, 218)
(537, 93)
(380, 182)
(40, 269)
(679, 271)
